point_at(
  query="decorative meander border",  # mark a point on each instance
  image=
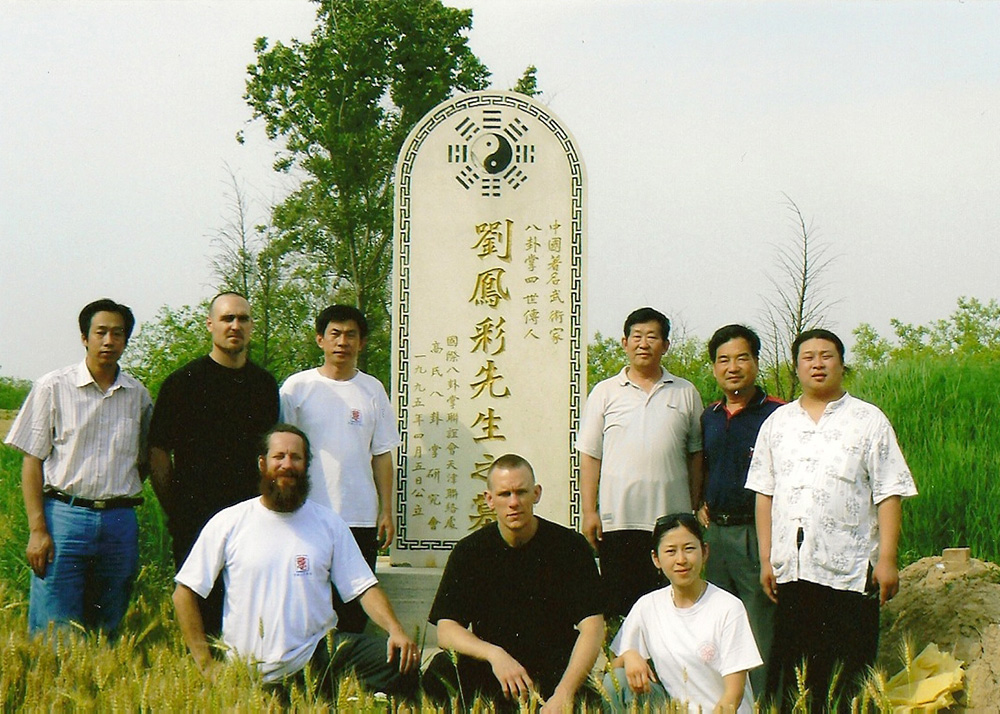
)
(577, 366)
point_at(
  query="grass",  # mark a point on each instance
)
(945, 415)
(947, 420)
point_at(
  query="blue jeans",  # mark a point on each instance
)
(90, 578)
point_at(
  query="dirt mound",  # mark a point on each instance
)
(957, 609)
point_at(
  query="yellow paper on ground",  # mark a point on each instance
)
(929, 683)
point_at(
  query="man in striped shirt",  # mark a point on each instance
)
(82, 430)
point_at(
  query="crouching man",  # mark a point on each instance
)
(530, 591)
(280, 556)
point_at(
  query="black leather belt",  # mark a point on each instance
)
(732, 519)
(103, 504)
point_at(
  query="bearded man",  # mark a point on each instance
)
(279, 556)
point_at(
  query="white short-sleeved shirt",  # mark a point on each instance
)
(90, 441)
(692, 648)
(643, 441)
(827, 479)
(277, 569)
(347, 422)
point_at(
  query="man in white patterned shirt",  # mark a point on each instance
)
(82, 430)
(830, 479)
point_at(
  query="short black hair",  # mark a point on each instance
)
(281, 428)
(733, 332)
(817, 334)
(106, 305)
(342, 313)
(647, 314)
(509, 461)
(684, 519)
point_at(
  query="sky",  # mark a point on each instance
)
(696, 121)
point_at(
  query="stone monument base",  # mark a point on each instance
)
(411, 591)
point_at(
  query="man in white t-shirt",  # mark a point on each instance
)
(352, 427)
(830, 479)
(280, 556)
(640, 457)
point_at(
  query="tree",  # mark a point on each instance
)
(687, 357)
(972, 332)
(799, 302)
(284, 291)
(528, 83)
(172, 339)
(871, 350)
(343, 103)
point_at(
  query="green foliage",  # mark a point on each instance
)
(605, 358)
(687, 358)
(947, 420)
(13, 392)
(173, 338)
(343, 103)
(528, 82)
(870, 349)
(972, 331)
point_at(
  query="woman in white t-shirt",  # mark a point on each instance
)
(697, 635)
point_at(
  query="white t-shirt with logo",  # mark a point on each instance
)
(347, 422)
(277, 569)
(692, 648)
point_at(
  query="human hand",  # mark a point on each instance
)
(768, 581)
(513, 677)
(638, 673)
(592, 529)
(703, 517)
(40, 551)
(561, 701)
(386, 529)
(409, 653)
(886, 576)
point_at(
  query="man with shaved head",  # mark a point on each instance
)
(530, 592)
(209, 417)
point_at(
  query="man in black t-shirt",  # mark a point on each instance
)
(207, 424)
(529, 590)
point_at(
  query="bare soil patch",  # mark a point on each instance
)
(957, 610)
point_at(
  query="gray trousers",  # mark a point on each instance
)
(734, 565)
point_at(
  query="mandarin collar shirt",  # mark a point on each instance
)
(826, 480)
(91, 442)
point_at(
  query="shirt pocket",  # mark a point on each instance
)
(125, 439)
(845, 501)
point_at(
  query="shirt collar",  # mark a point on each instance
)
(84, 377)
(665, 377)
(831, 407)
(759, 398)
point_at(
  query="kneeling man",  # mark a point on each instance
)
(529, 590)
(279, 556)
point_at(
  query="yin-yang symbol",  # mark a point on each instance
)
(493, 152)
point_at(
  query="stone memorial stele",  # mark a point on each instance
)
(489, 350)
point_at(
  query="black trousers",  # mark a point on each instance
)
(445, 684)
(351, 616)
(822, 627)
(343, 653)
(627, 570)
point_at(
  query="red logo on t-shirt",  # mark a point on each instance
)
(355, 417)
(301, 564)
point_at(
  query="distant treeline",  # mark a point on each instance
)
(13, 392)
